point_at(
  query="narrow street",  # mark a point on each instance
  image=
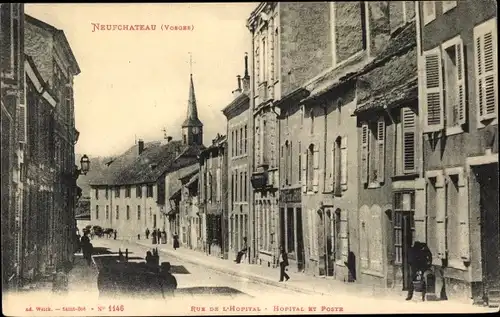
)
(193, 280)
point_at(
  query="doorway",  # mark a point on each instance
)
(329, 242)
(487, 177)
(300, 241)
(404, 232)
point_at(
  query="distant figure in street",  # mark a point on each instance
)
(149, 257)
(87, 248)
(168, 281)
(243, 251)
(147, 233)
(114, 233)
(158, 236)
(283, 261)
(420, 260)
(163, 236)
(176, 241)
(154, 236)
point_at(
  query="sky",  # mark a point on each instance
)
(133, 84)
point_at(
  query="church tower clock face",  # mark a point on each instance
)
(196, 130)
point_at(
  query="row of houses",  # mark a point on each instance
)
(39, 189)
(357, 129)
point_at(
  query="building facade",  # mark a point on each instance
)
(189, 210)
(238, 117)
(263, 25)
(13, 128)
(459, 104)
(390, 182)
(213, 196)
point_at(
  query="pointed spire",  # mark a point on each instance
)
(192, 111)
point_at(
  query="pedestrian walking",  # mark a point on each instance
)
(154, 236)
(158, 236)
(115, 233)
(283, 261)
(420, 260)
(147, 233)
(176, 241)
(87, 248)
(163, 236)
(243, 251)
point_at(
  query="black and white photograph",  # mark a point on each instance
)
(246, 158)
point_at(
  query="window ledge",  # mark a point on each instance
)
(454, 130)
(373, 185)
(409, 176)
(483, 123)
(457, 264)
(239, 156)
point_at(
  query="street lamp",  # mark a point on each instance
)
(84, 164)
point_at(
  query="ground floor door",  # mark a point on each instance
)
(487, 176)
(328, 242)
(404, 231)
(300, 241)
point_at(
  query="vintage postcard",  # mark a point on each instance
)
(268, 158)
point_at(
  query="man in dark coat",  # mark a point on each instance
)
(420, 260)
(283, 261)
(147, 233)
(176, 241)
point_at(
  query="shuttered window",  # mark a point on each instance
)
(364, 213)
(315, 184)
(219, 183)
(304, 171)
(441, 222)
(485, 56)
(343, 162)
(408, 119)
(454, 82)
(365, 137)
(380, 150)
(344, 235)
(433, 91)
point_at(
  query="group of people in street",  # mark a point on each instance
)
(158, 236)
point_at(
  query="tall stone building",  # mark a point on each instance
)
(458, 102)
(13, 130)
(239, 117)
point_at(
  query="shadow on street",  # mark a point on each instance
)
(210, 291)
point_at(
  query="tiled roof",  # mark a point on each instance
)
(154, 161)
(405, 92)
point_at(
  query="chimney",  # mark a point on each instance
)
(140, 146)
(237, 92)
(246, 78)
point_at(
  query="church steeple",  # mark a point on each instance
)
(192, 128)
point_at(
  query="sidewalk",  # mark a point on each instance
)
(300, 282)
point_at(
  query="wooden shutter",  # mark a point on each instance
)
(409, 138)
(441, 222)
(304, 171)
(344, 235)
(463, 217)
(290, 165)
(459, 57)
(365, 137)
(283, 172)
(21, 123)
(433, 91)
(316, 167)
(343, 162)
(364, 236)
(381, 150)
(485, 49)
(218, 180)
(331, 179)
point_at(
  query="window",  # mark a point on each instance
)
(233, 188)
(107, 212)
(257, 57)
(138, 212)
(409, 148)
(310, 167)
(432, 91)
(117, 212)
(219, 184)
(300, 164)
(210, 189)
(404, 208)
(117, 192)
(149, 191)
(128, 212)
(486, 67)
(138, 191)
(96, 212)
(374, 133)
(107, 193)
(237, 145)
(246, 139)
(276, 54)
(336, 167)
(127, 191)
(241, 186)
(311, 114)
(233, 145)
(285, 155)
(365, 150)
(245, 191)
(263, 64)
(97, 193)
(448, 5)
(241, 141)
(454, 83)
(429, 11)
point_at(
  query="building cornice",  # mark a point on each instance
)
(237, 104)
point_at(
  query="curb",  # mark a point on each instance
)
(233, 272)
